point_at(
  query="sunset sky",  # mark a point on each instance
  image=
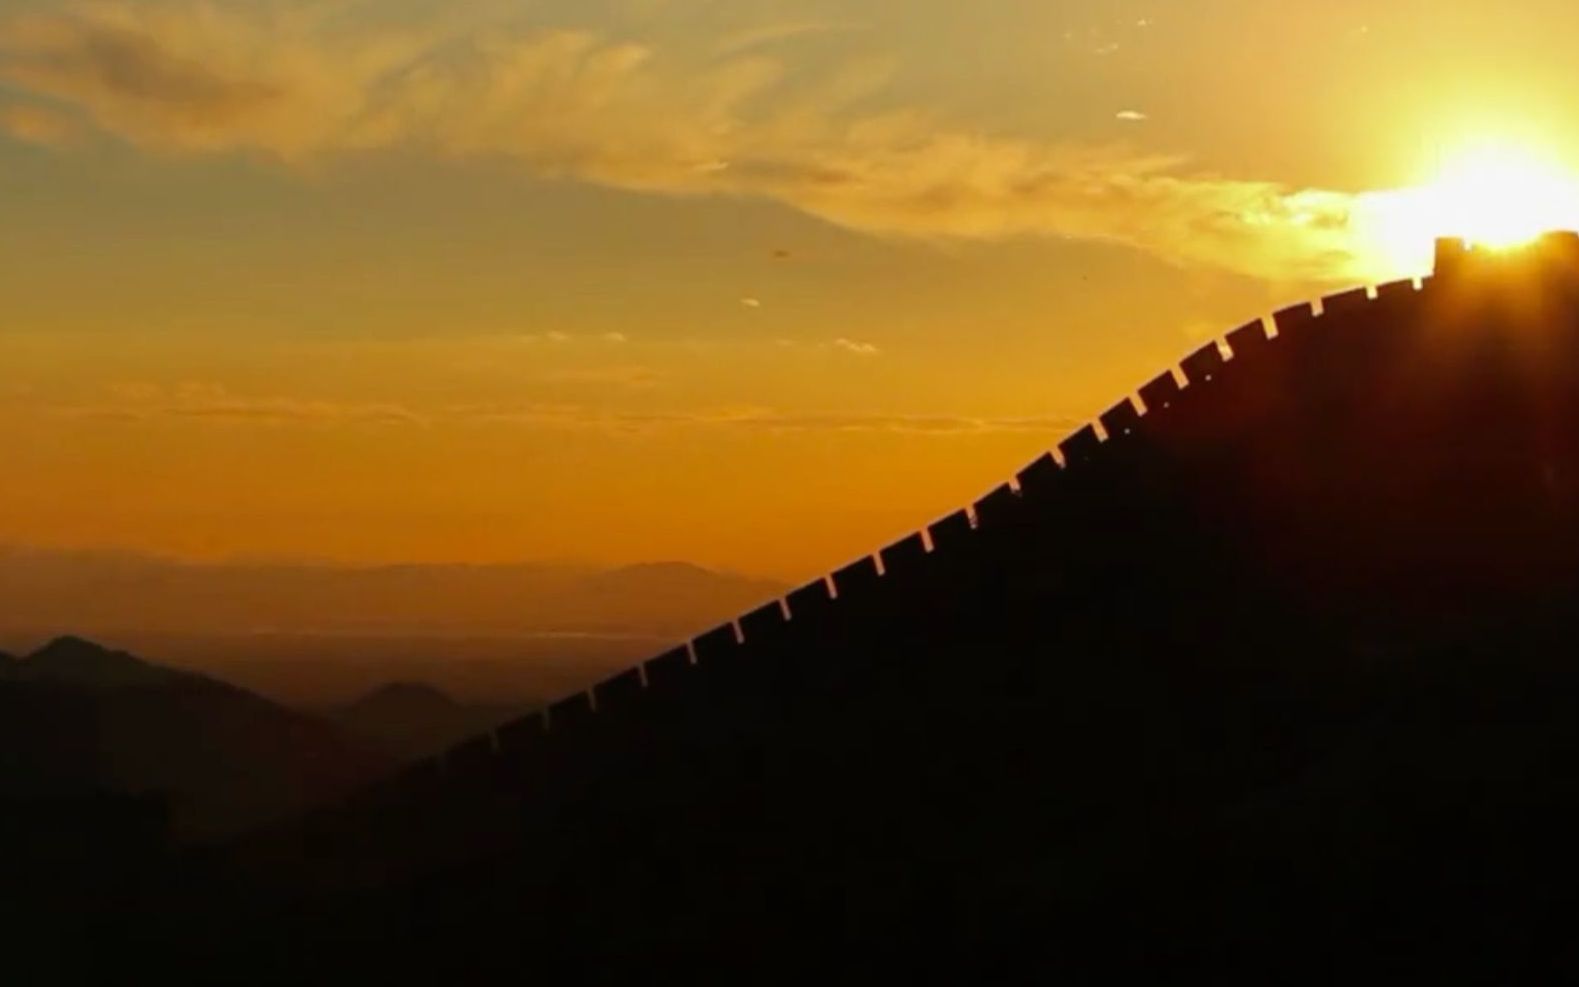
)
(757, 285)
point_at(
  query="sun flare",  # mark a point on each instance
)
(1502, 196)
(1493, 195)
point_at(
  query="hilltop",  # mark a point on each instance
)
(78, 720)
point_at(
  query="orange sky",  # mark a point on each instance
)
(756, 285)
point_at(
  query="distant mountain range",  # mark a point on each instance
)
(78, 720)
(411, 720)
(321, 635)
(96, 591)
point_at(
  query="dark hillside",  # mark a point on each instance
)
(78, 721)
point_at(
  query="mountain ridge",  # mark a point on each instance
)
(124, 592)
(81, 719)
(79, 661)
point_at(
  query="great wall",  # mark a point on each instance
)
(843, 595)
(1252, 585)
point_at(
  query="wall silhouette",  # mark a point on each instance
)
(1208, 394)
(1206, 626)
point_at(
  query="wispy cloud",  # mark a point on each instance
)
(851, 347)
(528, 340)
(179, 76)
(763, 419)
(141, 402)
(770, 34)
(856, 347)
(620, 376)
(38, 125)
(144, 403)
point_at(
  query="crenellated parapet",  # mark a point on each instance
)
(1272, 658)
(852, 622)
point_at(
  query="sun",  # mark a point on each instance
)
(1501, 196)
(1495, 195)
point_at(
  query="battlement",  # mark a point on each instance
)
(1458, 259)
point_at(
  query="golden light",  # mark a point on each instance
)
(1494, 195)
(1502, 196)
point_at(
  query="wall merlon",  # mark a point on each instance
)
(810, 601)
(1394, 289)
(952, 532)
(668, 668)
(1161, 393)
(1204, 365)
(1082, 447)
(570, 713)
(765, 624)
(1345, 301)
(998, 507)
(1293, 318)
(1249, 340)
(1121, 420)
(1566, 241)
(717, 644)
(856, 578)
(1451, 255)
(904, 556)
(1040, 476)
(620, 692)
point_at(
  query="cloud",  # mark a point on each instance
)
(623, 377)
(769, 34)
(751, 302)
(143, 402)
(856, 347)
(1131, 116)
(38, 125)
(763, 419)
(292, 82)
(553, 336)
(192, 77)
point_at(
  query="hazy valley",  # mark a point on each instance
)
(320, 636)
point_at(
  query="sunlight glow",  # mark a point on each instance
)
(1493, 195)
(1501, 197)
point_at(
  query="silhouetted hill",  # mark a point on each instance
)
(652, 590)
(78, 720)
(78, 662)
(411, 720)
